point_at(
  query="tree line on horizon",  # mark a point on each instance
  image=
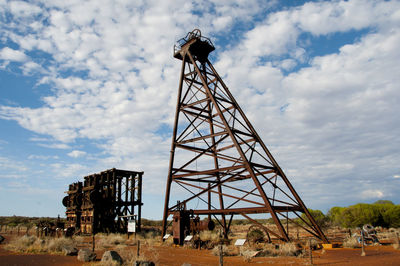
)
(382, 213)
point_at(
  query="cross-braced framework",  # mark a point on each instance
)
(219, 166)
(105, 202)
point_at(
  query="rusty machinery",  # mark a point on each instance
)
(185, 223)
(218, 163)
(73, 202)
(107, 200)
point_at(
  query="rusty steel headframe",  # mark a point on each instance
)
(218, 163)
(104, 202)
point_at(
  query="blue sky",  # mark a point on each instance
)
(88, 86)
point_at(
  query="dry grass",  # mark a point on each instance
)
(351, 242)
(57, 244)
(110, 240)
(32, 244)
(209, 236)
(209, 239)
(247, 253)
(289, 249)
(150, 238)
(129, 255)
(226, 251)
(168, 242)
(79, 240)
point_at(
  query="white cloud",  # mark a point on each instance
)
(76, 153)
(12, 55)
(64, 170)
(42, 157)
(371, 194)
(23, 9)
(12, 167)
(333, 121)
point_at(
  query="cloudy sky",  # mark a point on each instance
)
(86, 86)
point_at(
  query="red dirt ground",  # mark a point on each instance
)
(166, 255)
(11, 258)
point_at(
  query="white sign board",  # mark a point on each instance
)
(131, 227)
(188, 238)
(240, 242)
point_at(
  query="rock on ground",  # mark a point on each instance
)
(86, 255)
(112, 256)
(70, 251)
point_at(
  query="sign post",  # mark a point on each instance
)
(132, 225)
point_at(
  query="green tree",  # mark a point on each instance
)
(391, 216)
(319, 217)
(360, 214)
(383, 206)
(335, 215)
(384, 202)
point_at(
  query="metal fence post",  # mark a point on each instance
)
(362, 245)
(221, 256)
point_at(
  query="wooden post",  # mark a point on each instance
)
(221, 255)
(362, 243)
(93, 243)
(138, 249)
(287, 223)
(309, 246)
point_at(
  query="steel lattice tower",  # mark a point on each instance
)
(218, 162)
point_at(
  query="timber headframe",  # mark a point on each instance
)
(219, 167)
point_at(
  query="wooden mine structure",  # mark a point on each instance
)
(105, 202)
(73, 202)
(219, 167)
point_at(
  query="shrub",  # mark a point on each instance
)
(212, 236)
(225, 251)
(381, 213)
(360, 214)
(335, 216)
(351, 242)
(32, 244)
(255, 235)
(247, 253)
(57, 244)
(27, 244)
(318, 216)
(391, 216)
(285, 250)
(104, 240)
(384, 202)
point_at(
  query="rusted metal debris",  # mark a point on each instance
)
(184, 223)
(104, 202)
(218, 159)
(48, 228)
(73, 203)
